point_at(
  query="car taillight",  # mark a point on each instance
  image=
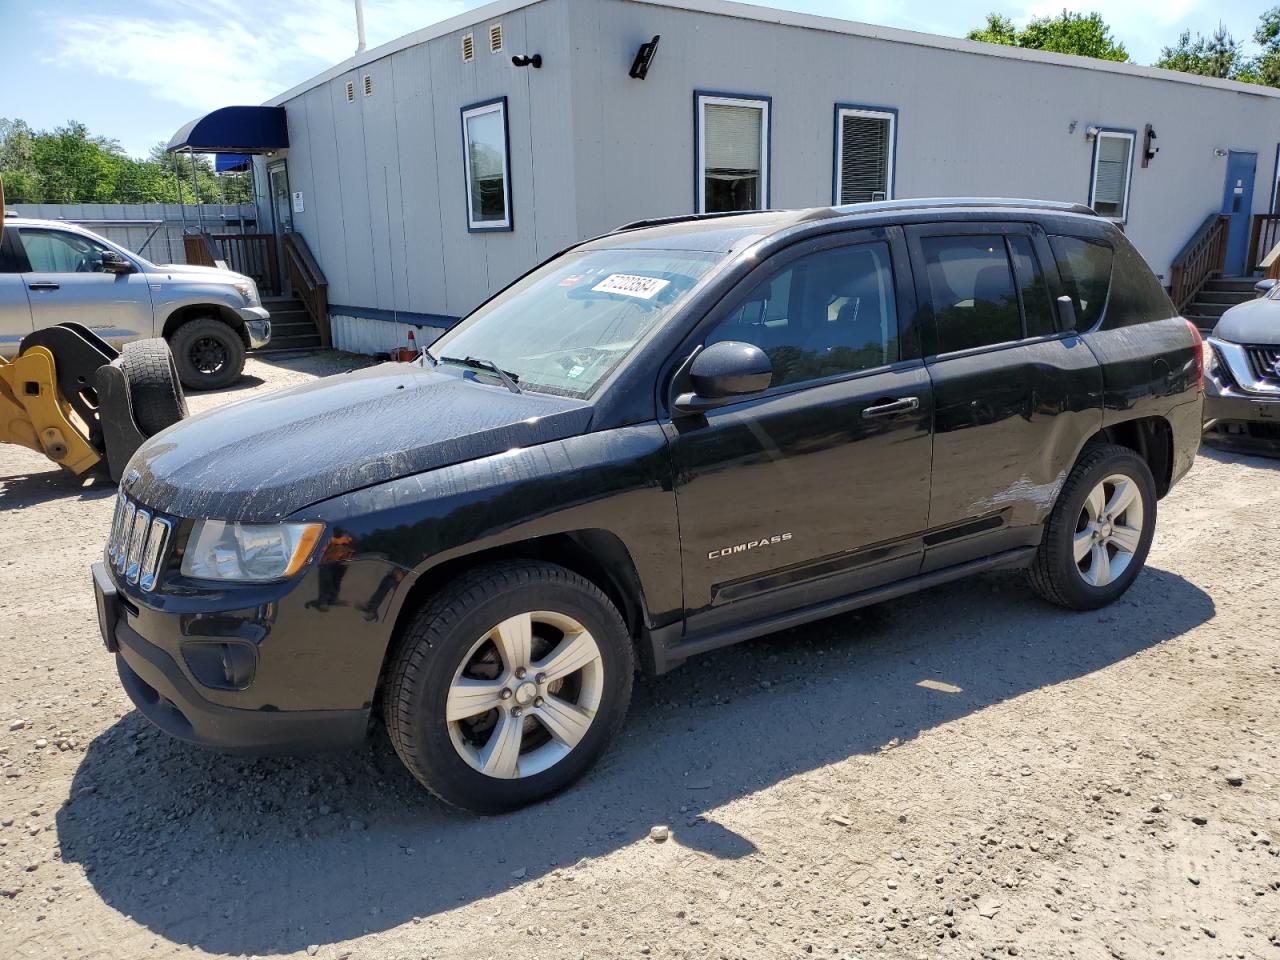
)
(1199, 349)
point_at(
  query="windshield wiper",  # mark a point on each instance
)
(508, 380)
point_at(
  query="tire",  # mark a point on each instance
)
(155, 392)
(458, 630)
(209, 354)
(1122, 537)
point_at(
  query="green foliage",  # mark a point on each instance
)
(1217, 56)
(1085, 35)
(69, 165)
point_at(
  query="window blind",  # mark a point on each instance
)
(1111, 176)
(733, 139)
(864, 157)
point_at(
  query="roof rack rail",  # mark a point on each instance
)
(683, 218)
(921, 203)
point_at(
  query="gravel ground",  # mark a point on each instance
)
(964, 773)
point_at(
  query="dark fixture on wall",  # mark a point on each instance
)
(644, 57)
(1148, 151)
(527, 61)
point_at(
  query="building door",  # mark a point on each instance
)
(281, 216)
(1237, 203)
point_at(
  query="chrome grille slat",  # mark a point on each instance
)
(1263, 360)
(137, 543)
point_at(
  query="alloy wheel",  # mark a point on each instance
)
(525, 695)
(1109, 530)
(207, 354)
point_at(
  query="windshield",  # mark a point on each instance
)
(568, 325)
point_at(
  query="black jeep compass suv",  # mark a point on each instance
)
(664, 440)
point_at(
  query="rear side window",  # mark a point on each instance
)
(1036, 304)
(1136, 295)
(971, 287)
(1085, 268)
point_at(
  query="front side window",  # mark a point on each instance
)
(971, 289)
(827, 313)
(864, 154)
(488, 169)
(733, 154)
(568, 325)
(1112, 159)
(59, 251)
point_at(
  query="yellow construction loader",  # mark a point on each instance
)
(69, 395)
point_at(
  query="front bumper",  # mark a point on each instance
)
(257, 325)
(1238, 420)
(163, 693)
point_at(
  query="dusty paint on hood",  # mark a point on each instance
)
(1257, 321)
(266, 458)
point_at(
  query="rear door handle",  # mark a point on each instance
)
(43, 285)
(904, 405)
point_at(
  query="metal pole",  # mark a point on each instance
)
(360, 44)
(195, 189)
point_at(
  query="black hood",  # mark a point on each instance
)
(1257, 321)
(267, 457)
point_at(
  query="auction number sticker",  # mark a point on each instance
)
(629, 285)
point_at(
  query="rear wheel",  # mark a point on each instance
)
(155, 392)
(1098, 536)
(508, 685)
(209, 354)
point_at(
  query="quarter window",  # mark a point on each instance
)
(1112, 159)
(971, 288)
(733, 154)
(828, 313)
(864, 154)
(484, 132)
(1085, 269)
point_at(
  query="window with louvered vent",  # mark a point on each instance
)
(468, 48)
(864, 160)
(495, 38)
(1112, 159)
(351, 92)
(733, 153)
(368, 85)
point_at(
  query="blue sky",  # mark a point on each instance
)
(136, 70)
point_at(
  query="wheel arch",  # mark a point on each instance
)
(597, 555)
(184, 315)
(1151, 438)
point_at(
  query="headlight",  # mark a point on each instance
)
(1212, 361)
(249, 290)
(250, 552)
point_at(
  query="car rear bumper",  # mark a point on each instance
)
(162, 692)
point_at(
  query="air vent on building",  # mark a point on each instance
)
(468, 48)
(368, 85)
(495, 38)
(351, 92)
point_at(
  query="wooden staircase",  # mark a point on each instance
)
(1214, 298)
(291, 326)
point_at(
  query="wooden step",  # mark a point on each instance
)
(1231, 284)
(1198, 307)
(1231, 297)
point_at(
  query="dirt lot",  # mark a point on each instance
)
(965, 773)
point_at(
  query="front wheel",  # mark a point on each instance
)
(508, 685)
(208, 353)
(1100, 531)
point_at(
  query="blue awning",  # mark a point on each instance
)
(234, 130)
(231, 162)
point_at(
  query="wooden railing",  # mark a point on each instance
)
(308, 282)
(1270, 264)
(200, 252)
(1200, 260)
(1263, 236)
(253, 254)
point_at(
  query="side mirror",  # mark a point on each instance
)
(1067, 313)
(112, 262)
(1263, 287)
(723, 372)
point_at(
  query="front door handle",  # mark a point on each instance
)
(905, 405)
(43, 285)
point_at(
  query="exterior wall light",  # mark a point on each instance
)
(1219, 152)
(1091, 133)
(644, 57)
(527, 61)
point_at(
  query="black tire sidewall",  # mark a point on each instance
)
(185, 337)
(1069, 583)
(155, 391)
(443, 770)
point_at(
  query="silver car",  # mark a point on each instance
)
(51, 272)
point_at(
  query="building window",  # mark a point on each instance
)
(484, 134)
(865, 140)
(733, 153)
(1112, 161)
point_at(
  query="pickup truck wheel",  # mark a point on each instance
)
(508, 685)
(209, 354)
(1098, 535)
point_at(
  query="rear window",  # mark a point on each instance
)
(1085, 268)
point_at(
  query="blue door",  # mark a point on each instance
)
(1237, 203)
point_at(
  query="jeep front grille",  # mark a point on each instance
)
(136, 545)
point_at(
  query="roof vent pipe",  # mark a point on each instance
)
(360, 44)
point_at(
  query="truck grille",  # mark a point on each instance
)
(1263, 360)
(136, 545)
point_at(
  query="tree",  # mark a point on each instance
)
(1075, 33)
(1217, 56)
(1265, 67)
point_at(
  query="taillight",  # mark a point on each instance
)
(1199, 350)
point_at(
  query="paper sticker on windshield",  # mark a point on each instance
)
(629, 285)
